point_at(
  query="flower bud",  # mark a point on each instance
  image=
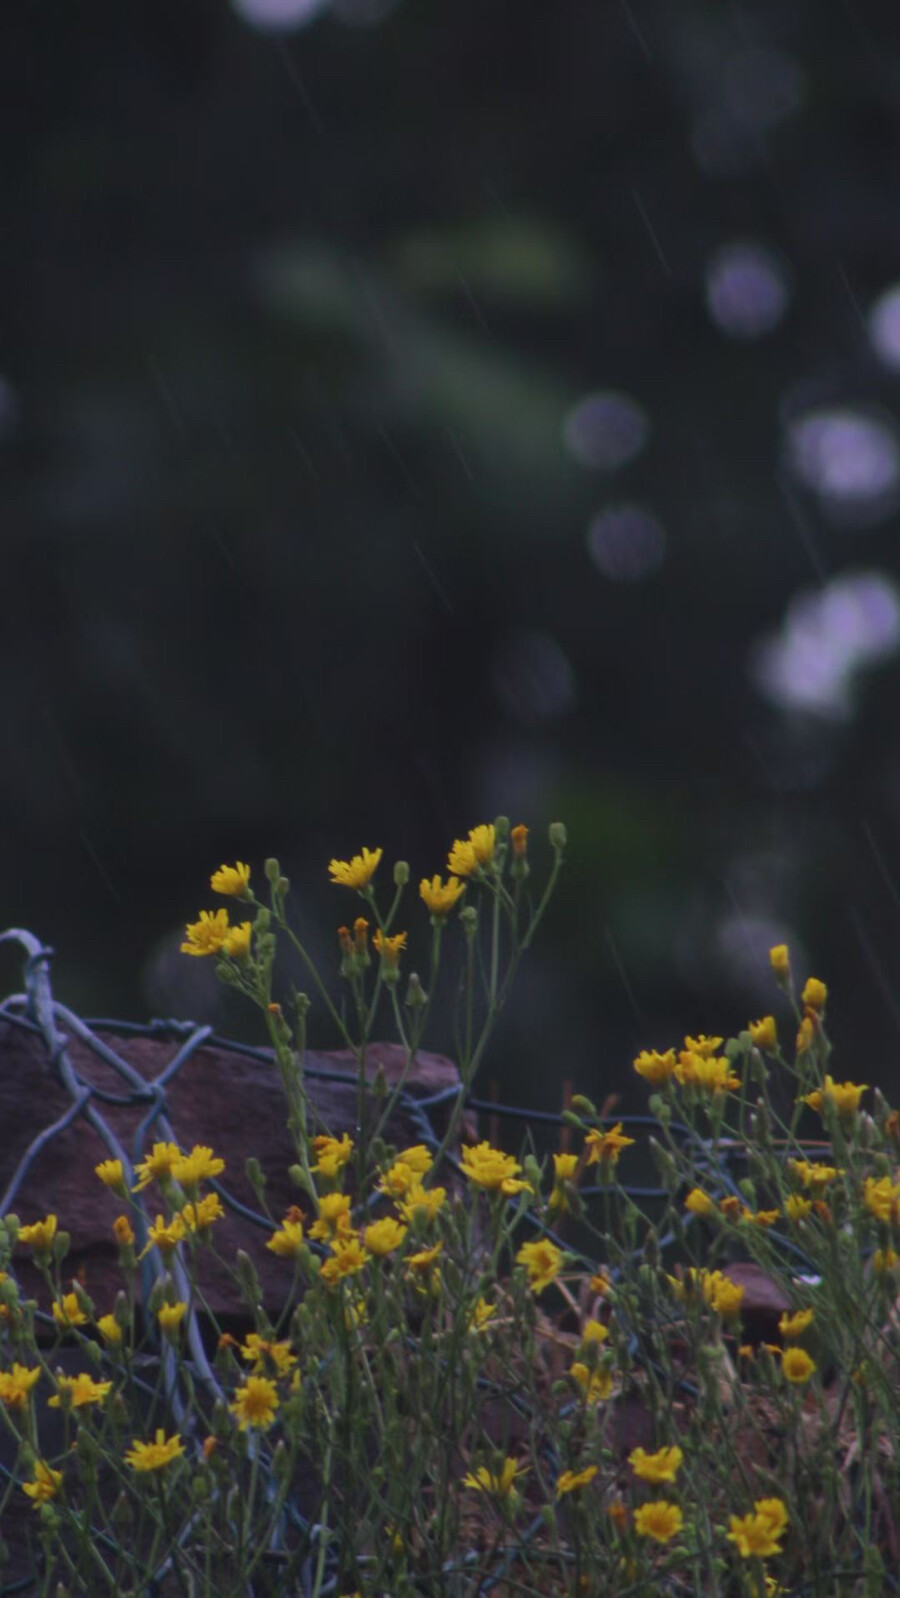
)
(416, 997)
(558, 836)
(401, 873)
(254, 1174)
(272, 870)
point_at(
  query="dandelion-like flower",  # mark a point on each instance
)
(654, 1067)
(165, 1235)
(67, 1312)
(489, 1168)
(198, 1166)
(237, 942)
(158, 1164)
(207, 935)
(791, 1326)
(75, 1392)
(347, 1258)
(606, 1147)
(266, 1356)
(144, 1457)
(814, 994)
(109, 1329)
(232, 881)
(199, 1216)
(44, 1485)
(498, 1483)
(358, 872)
(764, 1033)
(569, 1481)
(111, 1174)
(662, 1466)
(756, 1536)
(596, 1385)
(543, 1262)
(287, 1241)
(466, 858)
(333, 1218)
(170, 1316)
(384, 1236)
(40, 1234)
(16, 1384)
(660, 1520)
(797, 1366)
(441, 897)
(699, 1203)
(332, 1154)
(256, 1403)
(880, 1196)
(390, 949)
(845, 1096)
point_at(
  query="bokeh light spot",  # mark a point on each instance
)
(850, 459)
(278, 16)
(606, 430)
(626, 543)
(532, 677)
(884, 326)
(746, 290)
(827, 637)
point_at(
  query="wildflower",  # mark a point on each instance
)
(123, 1231)
(332, 1154)
(570, 1480)
(662, 1466)
(724, 1295)
(199, 1216)
(333, 1218)
(655, 1068)
(487, 1167)
(165, 1235)
(288, 1240)
(814, 994)
(797, 1208)
(16, 1384)
(764, 1033)
(40, 1234)
(109, 1329)
(595, 1384)
(347, 1257)
(711, 1073)
(439, 897)
(813, 1175)
(564, 1167)
(704, 1046)
(422, 1204)
(358, 872)
(805, 1033)
(845, 1096)
(67, 1312)
(780, 961)
(756, 1535)
(207, 935)
(417, 1159)
(74, 1392)
(465, 859)
(238, 940)
(759, 1217)
(198, 1166)
(232, 881)
(594, 1332)
(390, 949)
(730, 1207)
(170, 1316)
(482, 1315)
(44, 1485)
(383, 1236)
(618, 1514)
(111, 1174)
(660, 1520)
(424, 1258)
(157, 1455)
(268, 1356)
(255, 1403)
(880, 1195)
(795, 1325)
(361, 938)
(498, 1483)
(158, 1164)
(542, 1261)
(606, 1146)
(796, 1365)
(884, 1260)
(600, 1283)
(518, 837)
(699, 1203)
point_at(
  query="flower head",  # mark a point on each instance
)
(660, 1520)
(358, 872)
(569, 1481)
(813, 1175)
(170, 1316)
(764, 1033)
(498, 1483)
(466, 858)
(780, 960)
(756, 1535)
(207, 935)
(165, 1235)
(662, 1466)
(880, 1196)
(814, 994)
(16, 1384)
(390, 949)
(157, 1455)
(796, 1365)
(332, 1154)
(158, 1164)
(791, 1326)
(482, 1315)
(489, 1168)
(711, 1073)
(198, 1166)
(199, 1216)
(111, 1174)
(606, 1146)
(40, 1234)
(595, 1384)
(440, 897)
(333, 1218)
(267, 1356)
(347, 1257)
(654, 1067)
(699, 1203)
(255, 1403)
(74, 1392)
(67, 1312)
(704, 1046)
(237, 943)
(382, 1237)
(844, 1096)
(232, 881)
(44, 1485)
(288, 1240)
(109, 1329)
(123, 1231)
(543, 1262)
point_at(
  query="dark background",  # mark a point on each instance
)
(418, 411)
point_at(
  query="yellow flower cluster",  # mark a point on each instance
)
(757, 1535)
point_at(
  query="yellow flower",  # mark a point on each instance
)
(465, 859)
(780, 960)
(570, 1481)
(333, 1218)
(159, 1163)
(764, 1033)
(382, 1237)
(724, 1295)
(564, 1167)
(170, 1316)
(288, 1240)
(884, 1260)
(277, 1358)
(814, 994)
(255, 1403)
(880, 1195)
(704, 1046)
(439, 897)
(655, 1068)
(699, 1203)
(795, 1325)
(109, 1329)
(44, 1485)
(390, 949)
(347, 1257)
(805, 1033)
(662, 1466)
(543, 1262)
(759, 1217)
(111, 1174)
(756, 1536)
(424, 1258)
(165, 1235)
(232, 881)
(595, 1384)
(16, 1384)
(156, 1455)
(606, 1146)
(74, 1392)
(417, 1159)
(40, 1234)
(237, 943)
(498, 1483)
(712, 1073)
(813, 1176)
(198, 1166)
(199, 1216)
(207, 935)
(482, 1315)
(594, 1332)
(123, 1232)
(422, 1204)
(845, 1096)
(332, 1154)
(68, 1312)
(487, 1167)
(797, 1208)
(660, 1520)
(358, 872)
(796, 1365)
